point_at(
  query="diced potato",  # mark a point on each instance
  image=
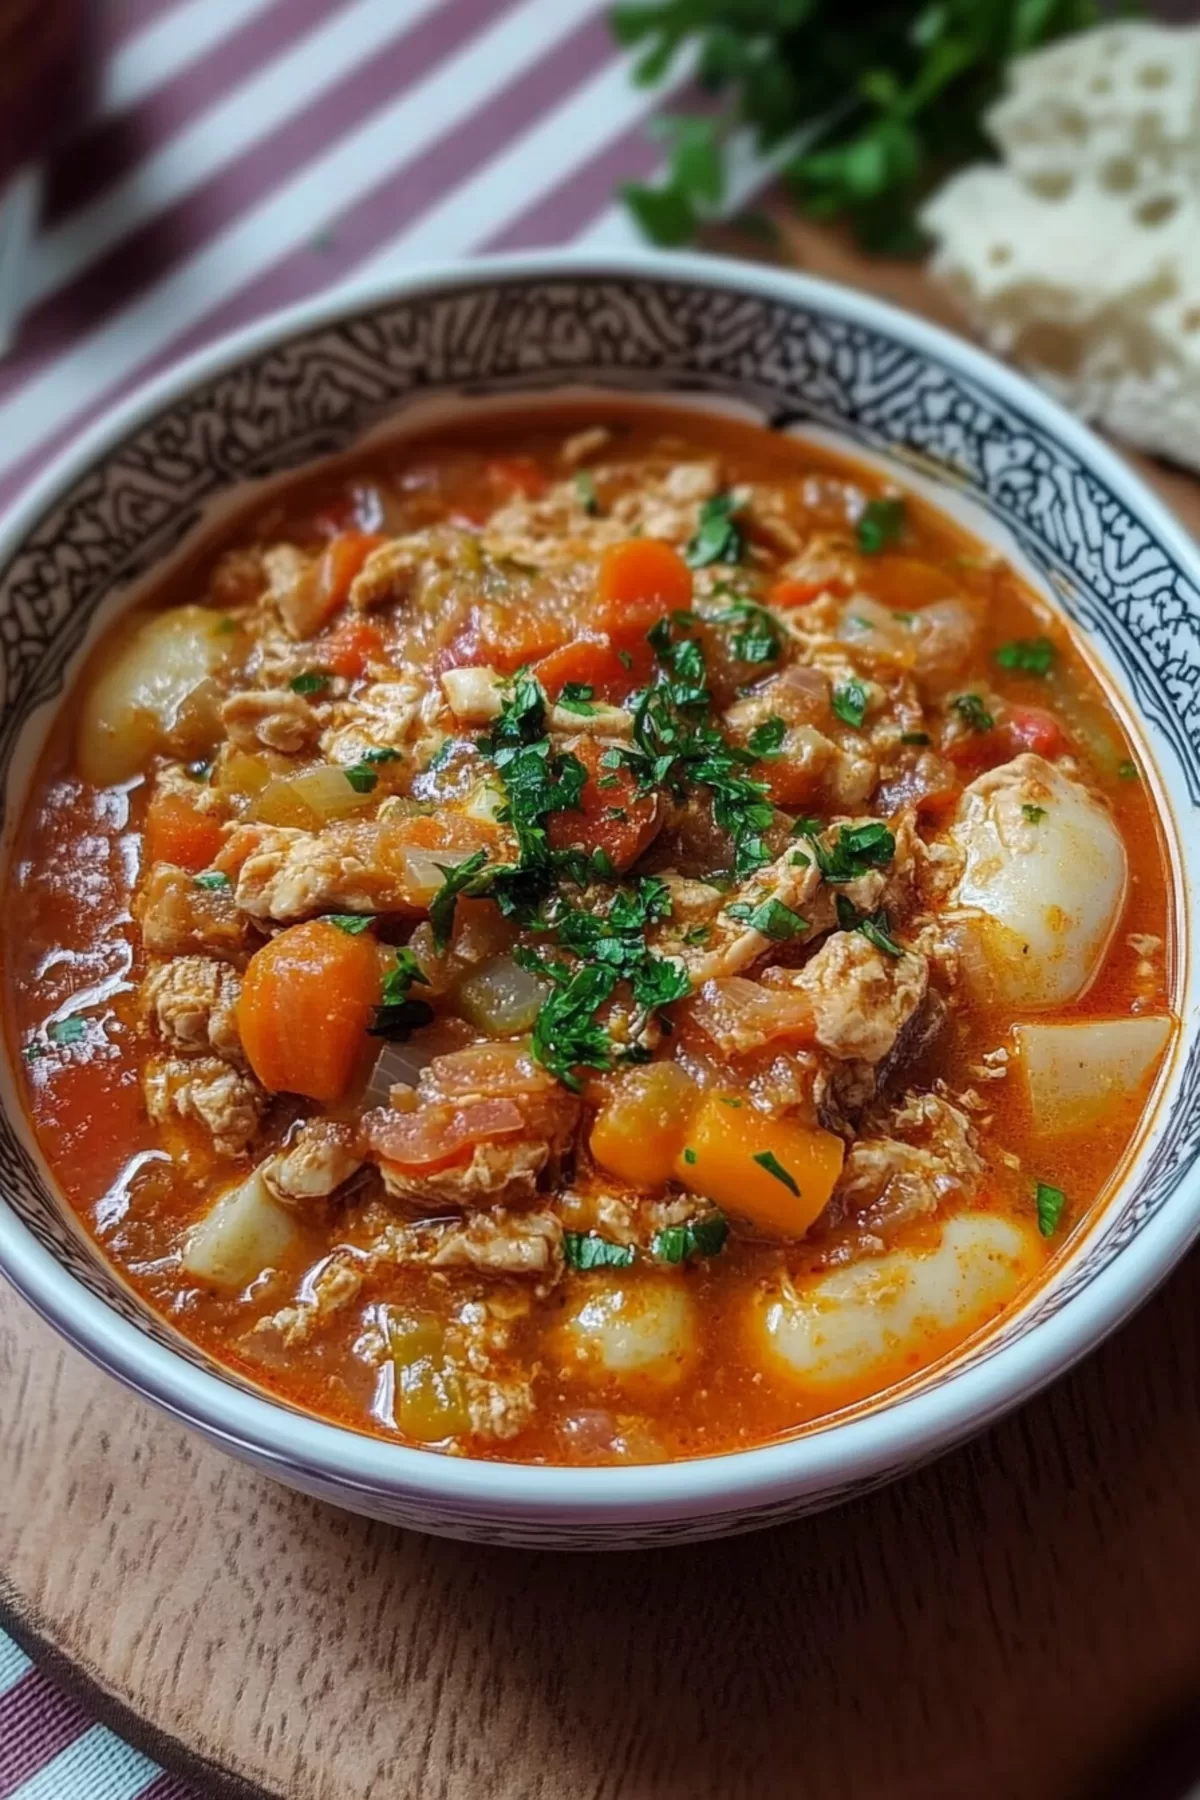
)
(153, 690)
(1043, 886)
(1075, 1071)
(474, 695)
(893, 1312)
(642, 1331)
(309, 800)
(245, 1232)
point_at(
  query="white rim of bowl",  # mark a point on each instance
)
(895, 1436)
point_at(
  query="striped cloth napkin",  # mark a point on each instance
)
(243, 154)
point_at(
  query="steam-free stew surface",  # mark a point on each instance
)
(598, 938)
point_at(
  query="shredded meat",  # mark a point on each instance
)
(320, 1158)
(177, 917)
(492, 1243)
(909, 1162)
(861, 998)
(191, 1003)
(334, 1287)
(228, 1102)
(270, 718)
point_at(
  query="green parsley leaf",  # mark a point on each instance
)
(353, 924)
(213, 878)
(567, 1035)
(577, 697)
(584, 1250)
(1034, 814)
(1031, 656)
(398, 1015)
(766, 740)
(362, 778)
(67, 1031)
(460, 879)
(310, 682)
(717, 538)
(856, 848)
(1050, 1204)
(914, 737)
(880, 523)
(383, 754)
(698, 934)
(875, 927)
(766, 1159)
(775, 920)
(585, 492)
(689, 1155)
(973, 712)
(756, 638)
(695, 1237)
(625, 658)
(1128, 771)
(849, 702)
(522, 718)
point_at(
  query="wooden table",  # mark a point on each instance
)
(1020, 1619)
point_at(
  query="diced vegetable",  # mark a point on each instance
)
(321, 590)
(437, 1136)
(350, 648)
(241, 774)
(1030, 728)
(638, 1330)
(1075, 1071)
(310, 799)
(772, 1172)
(790, 593)
(612, 818)
(889, 1313)
(153, 691)
(501, 997)
(429, 1401)
(595, 662)
(640, 580)
(516, 475)
(245, 1232)
(640, 1129)
(306, 1006)
(178, 832)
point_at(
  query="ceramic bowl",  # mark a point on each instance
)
(797, 355)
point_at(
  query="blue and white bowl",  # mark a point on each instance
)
(797, 355)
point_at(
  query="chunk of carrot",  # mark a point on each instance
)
(341, 560)
(178, 832)
(786, 594)
(305, 1008)
(774, 1173)
(641, 1127)
(612, 817)
(595, 662)
(350, 647)
(640, 581)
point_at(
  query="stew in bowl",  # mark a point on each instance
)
(598, 936)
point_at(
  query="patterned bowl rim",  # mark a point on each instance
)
(862, 1449)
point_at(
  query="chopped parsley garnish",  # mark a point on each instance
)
(441, 756)
(584, 1250)
(766, 1159)
(397, 1016)
(698, 934)
(775, 920)
(198, 771)
(718, 538)
(696, 1237)
(625, 658)
(756, 636)
(67, 1031)
(914, 737)
(361, 776)
(213, 878)
(577, 697)
(973, 713)
(471, 876)
(1050, 1204)
(880, 523)
(689, 1155)
(1034, 814)
(310, 682)
(1128, 771)
(1029, 656)
(353, 924)
(856, 848)
(585, 492)
(567, 1034)
(876, 927)
(382, 754)
(766, 740)
(849, 702)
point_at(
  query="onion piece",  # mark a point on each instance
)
(308, 800)
(502, 998)
(396, 1063)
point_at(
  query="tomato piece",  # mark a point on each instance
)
(507, 641)
(640, 581)
(786, 594)
(350, 647)
(517, 475)
(178, 832)
(594, 827)
(305, 1008)
(1031, 728)
(595, 662)
(341, 561)
(439, 1135)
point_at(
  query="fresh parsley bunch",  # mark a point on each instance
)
(881, 99)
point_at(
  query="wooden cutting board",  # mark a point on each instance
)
(1023, 1618)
